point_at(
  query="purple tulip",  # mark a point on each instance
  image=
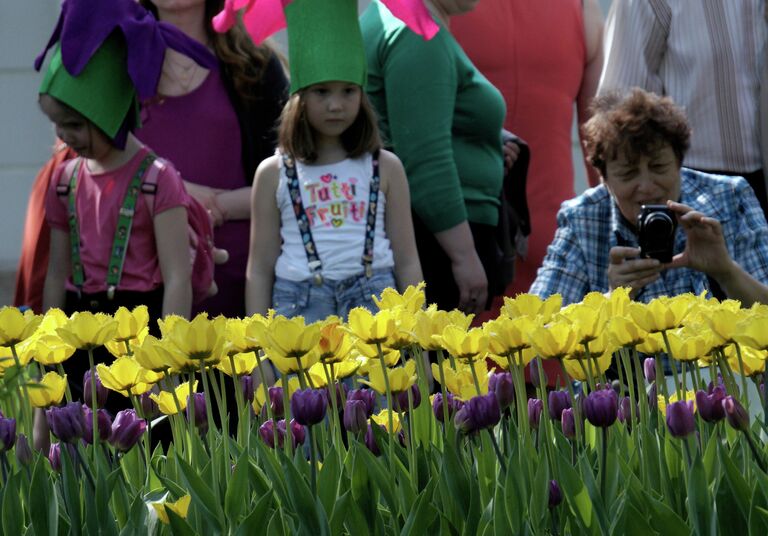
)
(308, 406)
(555, 495)
(680, 419)
(267, 433)
(276, 405)
(625, 410)
(127, 429)
(355, 416)
(649, 369)
(246, 384)
(400, 399)
(558, 401)
(653, 397)
(149, 408)
(103, 421)
(501, 384)
(601, 407)
(7, 433)
(67, 422)
(453, 403)
(54, 454)
(710, 403)
(478, 413)
(370, 440)
(366, 395)
(298, 434)
(568, 423)
(201, 413)
(735, 414)
(535, 408)
(341, 394)
(23, 450)
(101, 392)
(534, 370)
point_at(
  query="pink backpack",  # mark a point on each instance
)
(199, 225)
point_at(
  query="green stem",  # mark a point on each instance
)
(388, 390)
(495, 444)
(443, 389)
(312, 458)
(67, 391)
(25, 404)
(95, 406)
(604, 461)
(474, 377)
(265, 388)
(673, 366)
(744, 385)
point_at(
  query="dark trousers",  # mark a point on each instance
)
(436, 265)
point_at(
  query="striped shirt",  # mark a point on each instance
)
(589, 225)
(704, 54)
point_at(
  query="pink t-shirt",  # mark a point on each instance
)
(98, 201)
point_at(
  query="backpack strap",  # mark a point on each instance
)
(313, 259)
(149, 185)
(370, 224)
(69, 189)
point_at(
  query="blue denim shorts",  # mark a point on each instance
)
(316, 302)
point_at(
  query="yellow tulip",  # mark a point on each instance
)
(166, 402)
(723, 321)
(411, 300)
(507, 336)
(126, 348)
(256, 330)
(588, 322)
(533, 306)
(370, 328)
(753, 332)
(598, 347)
(335, 344)
(180, 508)
(53, 319)
(6, 359)
(432, 321)
(258, 392)
(244, 364)
(131, 323)
(391, 357)
(291, 365)
(652, 345)
(400, 378)
(687, 346)
(291, 338)
(662, 313)
(86, 331)
(688, 396)
(469, 345)
(159, 356)
(382, 418)
(341, 370)
(577, 368)
(50, 350)
(503, 361)
(16, 326)
(48, 391)
(623, 332)
(618, 302)
(125, 374)
(403, 336)
(199, 340)
(460, 381)
(555, 340)
(753, 360)
(235, 341)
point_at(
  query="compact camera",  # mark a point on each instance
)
(656, 225)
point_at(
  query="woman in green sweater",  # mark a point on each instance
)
(443, 119)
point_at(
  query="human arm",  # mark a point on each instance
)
(235, 204)
(265, 238)
(173, 256)
(627, 269)
(706, 251)
(398, 221)
(593, 66)
(207, 197)
(58, 270)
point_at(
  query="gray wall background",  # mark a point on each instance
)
(25, 134)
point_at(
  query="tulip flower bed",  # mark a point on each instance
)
(348, 440)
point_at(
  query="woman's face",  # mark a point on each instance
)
(455, 7)
(650, 180)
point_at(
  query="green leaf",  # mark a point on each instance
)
(71, 490)
(736, 482)
(104, 516)
(423, 513)
(539, 491)
(12, 521)
(310, 512)
(700, 511)
(501, 523)
(42, 503)
(664, 520)
(730, 519)
(202, 495)
(237, 494)
(577, 498)
(382, 479)
(758, 522)
(254, 522)
(347, 512)
(636, 524)
(328, 481)
(179, 525)
(137, 518)
(455, 476)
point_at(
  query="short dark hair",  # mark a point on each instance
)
(634, 123)
(295, 137)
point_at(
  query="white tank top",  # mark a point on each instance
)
(335, 198)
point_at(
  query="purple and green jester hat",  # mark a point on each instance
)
(324, 38)
(108, 57)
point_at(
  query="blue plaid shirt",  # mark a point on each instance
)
(591, 224)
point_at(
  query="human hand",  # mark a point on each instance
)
(705, 249)
(511, 151)
(469, 274)
(626, 269)
(207, 197)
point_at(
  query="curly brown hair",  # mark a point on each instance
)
(295, 136)
(239, 56)
(634, 124)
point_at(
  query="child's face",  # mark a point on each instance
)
(75, 130)
(332, 107)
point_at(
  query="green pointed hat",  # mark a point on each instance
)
(324, 42)
(103, 92)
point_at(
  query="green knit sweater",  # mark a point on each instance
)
(440, 115)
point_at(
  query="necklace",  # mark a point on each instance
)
(180, 76)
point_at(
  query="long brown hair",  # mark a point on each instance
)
(296, 138)
(239, 57)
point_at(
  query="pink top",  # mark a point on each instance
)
(98, 201)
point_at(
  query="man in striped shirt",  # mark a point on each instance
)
(706, 55)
